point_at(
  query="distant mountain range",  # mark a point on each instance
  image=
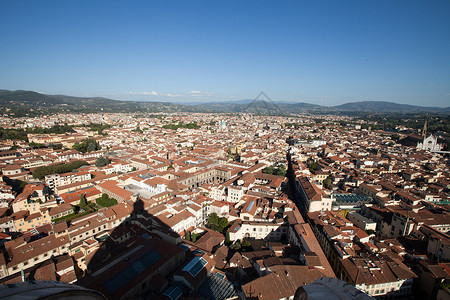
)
(384, 107)
(30, 103)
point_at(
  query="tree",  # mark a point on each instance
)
(56, 146)
(99, 127)
(187, 235)
(269, 170)
(279, 171)
(246, 246)
(87, 145)
(236, 246)
(83, 201)
(40, 172)
(105, 201)
(327, 183)
(213, 219)
(194, 237)
(217, 224)
(312, 167)
(91, 147)
(102, 161)
(223, 223)
(227, 239)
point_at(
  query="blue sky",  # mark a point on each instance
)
(322, 52)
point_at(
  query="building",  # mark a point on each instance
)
(55, 180)
(257, 230)
(137, 271)
(429, 143)
(330, 289)
(371, 267)
(311, 197)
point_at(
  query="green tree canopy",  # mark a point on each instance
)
(173, 126)
(106, 201)
(102, 161)
(236, 246)
(40, 172)
(99, 127)
(327, 183)
(279, 171)
(87, 145)
(217, 224)
(312, 167)
(83, 200)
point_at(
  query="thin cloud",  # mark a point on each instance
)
(172, 95)
(200, 94)
(152, 93)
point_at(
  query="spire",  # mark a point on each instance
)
(424, 131)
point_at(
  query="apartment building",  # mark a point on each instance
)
(311, 197)
(56, 180)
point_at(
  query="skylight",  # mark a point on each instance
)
(195, 266)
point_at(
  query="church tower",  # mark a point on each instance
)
(424, 131)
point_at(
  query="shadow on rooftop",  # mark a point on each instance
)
(134, 259)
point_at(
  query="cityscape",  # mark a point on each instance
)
(212, 150)
(224, 206)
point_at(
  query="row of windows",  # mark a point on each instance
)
(35, 259)
(87, 233)
(267, 229)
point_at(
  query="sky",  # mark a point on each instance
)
(320, 52)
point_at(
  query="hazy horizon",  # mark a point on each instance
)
(237, 101)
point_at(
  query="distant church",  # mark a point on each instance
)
(429, 143)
